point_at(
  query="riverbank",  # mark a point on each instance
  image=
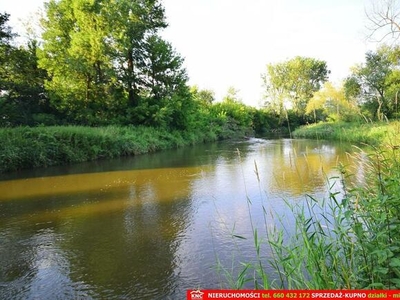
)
(32, 147)
(374, 134)
(351, 239)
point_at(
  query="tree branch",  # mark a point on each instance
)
(384, 20)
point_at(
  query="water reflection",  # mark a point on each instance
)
(306, 166)
(151, 226)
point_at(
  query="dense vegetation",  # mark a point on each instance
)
(349, 239)
(371, 134)
(85, 73)
(102, 63)
(113, 70)
(25, 147)
(102, 83)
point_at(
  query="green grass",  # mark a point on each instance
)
(356, 133)
(31, 147)
(351, 239)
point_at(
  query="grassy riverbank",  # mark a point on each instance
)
(30, 147)
(355, 242)
(351, 238)
(373, 134)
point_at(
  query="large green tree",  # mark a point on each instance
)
(74, 56)
(132, 26)
(105, 59)
(376, 82)
(294, 82)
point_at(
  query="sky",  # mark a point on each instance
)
(228, 43)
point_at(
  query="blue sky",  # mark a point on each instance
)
(229, 42)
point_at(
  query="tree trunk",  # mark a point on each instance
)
(132, 96)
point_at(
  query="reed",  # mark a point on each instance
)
(349, 240)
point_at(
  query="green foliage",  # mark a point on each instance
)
(27, 147)
(6, 36)
(348, 240)
(163, 75)
(21, 81)
(331, 102)
(5, 31)
(293, 82)
(103, 63)
(265, 121)
(345, 243)
(23, 85)
(366, 231)
(358, 133)
(233, 116)
(373, 216)
(232, 96)
(376, 82)
(105, 58)
(204, 97)
(319, 255)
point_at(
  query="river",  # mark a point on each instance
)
(152, 226)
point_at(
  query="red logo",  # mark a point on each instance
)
(196, 295)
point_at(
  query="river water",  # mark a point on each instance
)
(153, 226)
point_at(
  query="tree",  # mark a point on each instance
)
(5, 31)
(162, 72)
(232, 112)
(393, 92)
(384, 20)
(275, 87)
(23, 96)
(372, 81)
(163, 90)
(73, 55)
(6, 37)
(232, 96)
(105, 57)
(204, 97)
(294, 81)
(130, 24)
(332, 102)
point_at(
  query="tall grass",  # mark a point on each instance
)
(350, 240)
(357, 133)
(27, 147)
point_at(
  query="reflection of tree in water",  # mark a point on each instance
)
(303, 167)
(129, 232)
(117, 230)
(131, 252)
